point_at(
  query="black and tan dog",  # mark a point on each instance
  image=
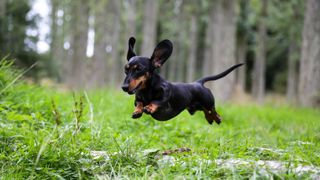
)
(161, 99)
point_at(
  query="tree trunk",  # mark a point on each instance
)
(66, 40)
(191, 66)
(258, 79)
(241, 58)
(180, 46)
(242, 47)
(99, 62)
(54, 34)
(206, 67)
(292, 77)
(3, 27)
(223, 47)
(115, 70)
(130, 31)
(130, 9)
(56, 45)
(105, 68)
(80, 27)
(149, 27)
(172, 65)
(3, 4)
(309, 80)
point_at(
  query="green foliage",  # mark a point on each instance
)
(6, 73)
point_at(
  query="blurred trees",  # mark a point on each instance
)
(101, 40)
(293, 14)
(88, 42)
(18, 35)
(243, 33)
(3, 8)
(105, 62)
(149, 27)
(57, 66)
(191, 67)
(309, 80)
(223, 45)
(259, 68)
(79, 41)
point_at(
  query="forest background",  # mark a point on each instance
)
(82, 44)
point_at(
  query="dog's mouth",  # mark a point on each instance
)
(135, 89)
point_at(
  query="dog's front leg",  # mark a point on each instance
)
(138, 110)
(165, 94)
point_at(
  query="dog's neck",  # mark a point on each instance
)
(155, 79)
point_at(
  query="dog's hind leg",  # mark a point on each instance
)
(194, 107)
(208, 107)
(211, 115)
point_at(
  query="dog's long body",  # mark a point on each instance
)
(160, 98)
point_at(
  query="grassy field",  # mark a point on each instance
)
(49, 134)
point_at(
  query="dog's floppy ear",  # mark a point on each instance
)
(161, 53)
(131, 43)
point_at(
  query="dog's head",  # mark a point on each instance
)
(139, 69)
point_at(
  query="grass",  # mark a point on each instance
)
(49, 134)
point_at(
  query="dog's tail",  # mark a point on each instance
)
(218, 76)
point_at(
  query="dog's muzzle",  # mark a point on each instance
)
(125, 87)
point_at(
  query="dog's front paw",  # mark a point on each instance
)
(136, 115)
(151, 108)
(138, 110)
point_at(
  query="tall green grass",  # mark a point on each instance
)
(50, 134)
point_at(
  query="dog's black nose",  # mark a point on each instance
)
(125, 87)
